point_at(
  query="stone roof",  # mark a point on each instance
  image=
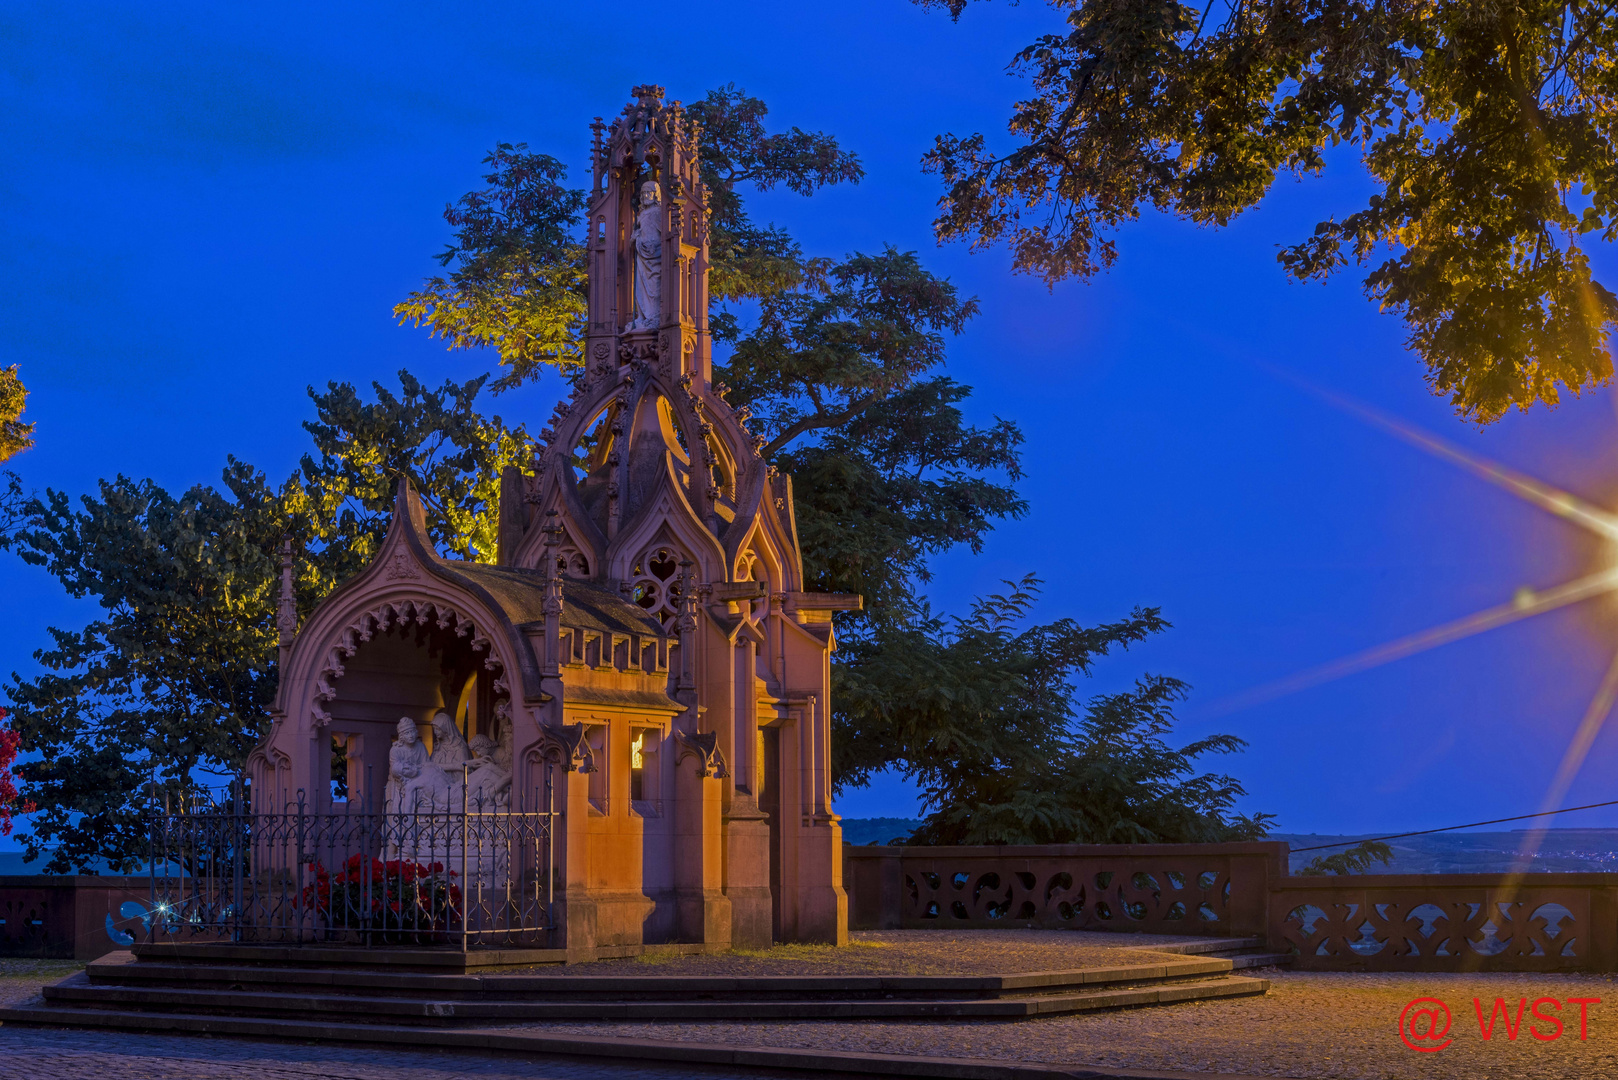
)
(521, 595)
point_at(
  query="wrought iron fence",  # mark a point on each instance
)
(470, 874)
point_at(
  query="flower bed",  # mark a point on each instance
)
(397, 902)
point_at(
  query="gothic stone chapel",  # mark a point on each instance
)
(643, 643)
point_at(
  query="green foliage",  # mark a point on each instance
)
(1489, 129)
(15, 436)
(979, 711)
(174, 680)
(749, 261)
(177, 672)
(12, 506)
(898, 482)
(519, 279)
(885, 469)
(1355, 860)
(452, 453)
(837, 362)
(833, 359)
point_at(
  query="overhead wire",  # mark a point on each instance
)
(1452, 828)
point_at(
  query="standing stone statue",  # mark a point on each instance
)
(646, 242)
(450, 751)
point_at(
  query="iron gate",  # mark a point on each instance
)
(469, 875)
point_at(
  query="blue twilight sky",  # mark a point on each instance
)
(208, 208)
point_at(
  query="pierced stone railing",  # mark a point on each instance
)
(1161, 888)
(1411, 922)
(1448, 922)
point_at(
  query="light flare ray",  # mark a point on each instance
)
(1595, 718)
(1571, 592)
(1536, 492)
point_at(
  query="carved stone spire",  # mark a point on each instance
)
(648, 247)
(286, 607)
(551, 606)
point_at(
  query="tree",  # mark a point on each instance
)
(979, 711)
(838, 363)
(176, 675)
(1489, 129)
(518, 282)
(15, 437)
(452, 453)
(174, 681)
(1354, 860)
(836, 360)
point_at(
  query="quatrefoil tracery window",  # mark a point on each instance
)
(655, 583)
(572, 562)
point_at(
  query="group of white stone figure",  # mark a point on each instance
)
(478, 772)
(457, 775)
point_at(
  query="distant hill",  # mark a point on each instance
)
(1561, 850)
(876, 830)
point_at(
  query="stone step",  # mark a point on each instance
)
(80, 1002)
(1259, 958)
(1205, 946)
(590, 988)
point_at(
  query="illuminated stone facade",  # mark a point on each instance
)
(645, 632)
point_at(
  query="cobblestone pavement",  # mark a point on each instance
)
(51, 1054)
(1309, 1025)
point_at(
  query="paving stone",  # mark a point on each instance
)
(47, 1054)
(1328, 1025)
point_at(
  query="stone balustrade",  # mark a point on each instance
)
(1407, 922)
(1161, 888)
(70, 917)
(1448, 922)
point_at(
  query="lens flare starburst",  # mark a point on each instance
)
(1525, 604)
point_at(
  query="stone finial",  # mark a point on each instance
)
(286, 608)
(553, 579)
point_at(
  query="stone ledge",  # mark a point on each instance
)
(77, 991)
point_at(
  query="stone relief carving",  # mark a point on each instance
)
(402, 566)
(416, 784)
(488, 783)
(450, 751)
(646, 244)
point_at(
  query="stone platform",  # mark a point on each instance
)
(891, 975)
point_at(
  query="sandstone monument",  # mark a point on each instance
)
(644, 640)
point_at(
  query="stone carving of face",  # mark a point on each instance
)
(482, 746)
(442, 723)
(407, 731)
(649, 194)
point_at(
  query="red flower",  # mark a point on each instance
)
(9, 803)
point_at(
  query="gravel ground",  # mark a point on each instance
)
(48, 1054)
(1309, 1025)
(1335, 1025)
(20, 980)
(897, 952)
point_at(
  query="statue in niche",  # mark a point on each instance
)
(450, 751)
(489, 783)
(415, 783)
(646, 244)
